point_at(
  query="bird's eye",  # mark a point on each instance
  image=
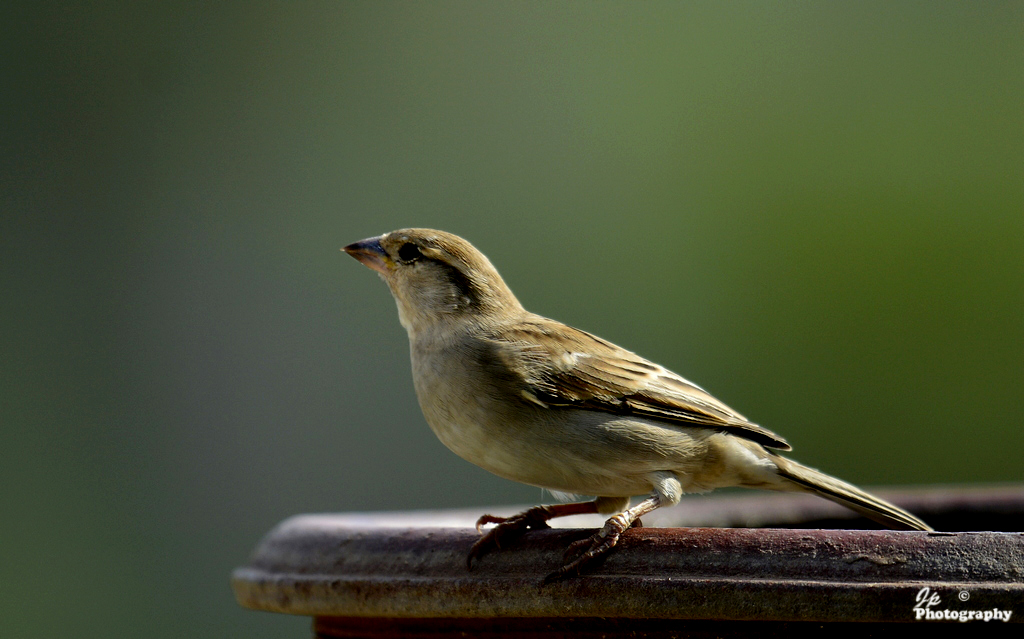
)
(409, 252)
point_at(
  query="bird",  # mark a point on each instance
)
(539, 402)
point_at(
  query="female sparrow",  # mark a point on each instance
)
(539, 402)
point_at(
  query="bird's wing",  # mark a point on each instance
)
(584, 371)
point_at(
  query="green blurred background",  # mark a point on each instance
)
(815, 210)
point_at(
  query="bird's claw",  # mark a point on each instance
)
(489, 519)
(583, 554)
(508, 529)
(580, 554)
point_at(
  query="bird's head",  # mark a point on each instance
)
(435, 277)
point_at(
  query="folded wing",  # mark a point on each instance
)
(584, 371)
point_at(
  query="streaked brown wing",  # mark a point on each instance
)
(582, 370)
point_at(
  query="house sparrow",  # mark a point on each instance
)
(539, 402)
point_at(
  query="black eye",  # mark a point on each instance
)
(409, 252)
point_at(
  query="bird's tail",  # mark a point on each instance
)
(848, 495)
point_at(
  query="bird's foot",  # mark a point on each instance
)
(585, 553)
(507, 530)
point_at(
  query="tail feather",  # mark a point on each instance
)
(847, 495)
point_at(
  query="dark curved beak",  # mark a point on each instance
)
(371, 254)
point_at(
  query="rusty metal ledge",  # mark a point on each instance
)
(403, 565)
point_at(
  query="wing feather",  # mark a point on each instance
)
(582, 370)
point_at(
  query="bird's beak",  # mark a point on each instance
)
(370, 253)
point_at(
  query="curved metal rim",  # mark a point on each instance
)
(378, 566)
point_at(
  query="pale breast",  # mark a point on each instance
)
(476, 412)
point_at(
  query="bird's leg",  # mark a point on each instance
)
(510, 528)
(603, 541)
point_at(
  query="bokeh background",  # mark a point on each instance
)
(815, 210)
